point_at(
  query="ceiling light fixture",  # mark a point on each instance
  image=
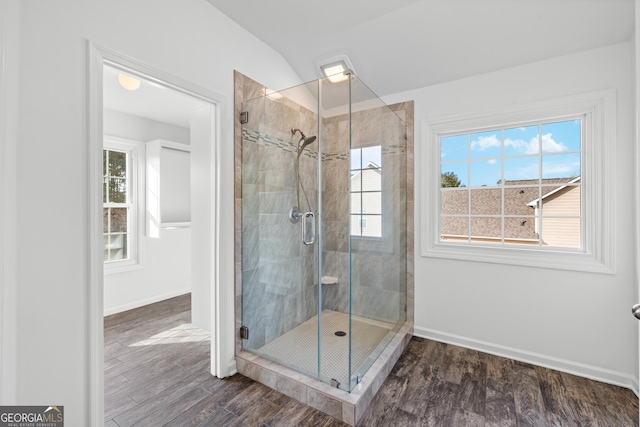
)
(128, 82)
(336, 69)
(271, 94)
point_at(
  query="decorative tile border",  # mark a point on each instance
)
(255, 137)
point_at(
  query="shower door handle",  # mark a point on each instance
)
(304, 228)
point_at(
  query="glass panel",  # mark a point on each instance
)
(485, 173)
(521, 170)
(561, 232)
(281, 295)
(119, 220)
(521, 230)
(356, 203)
(520, 141)
(356, 159)
(454, 202)
(520, 200)
(371, 225)
(372, 203)
(454, 148)
(454, 228)
(117, 190)
(278, 272)
(561, 136)
(372, 180)
(372, 156)
(117, 247)
(486, 202)
(486, 229)
(561, 166)
(454, 175)
(564, 200)
(378, 258)
(117, 164)
(486, 144)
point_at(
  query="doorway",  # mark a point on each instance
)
(204, 218)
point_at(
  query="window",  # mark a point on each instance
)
(530, 186)
(513, 186)
(120, 213)
(366, 191)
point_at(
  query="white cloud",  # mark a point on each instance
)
(561, 169)
(492, 161)
(485, 142)
(549, 145)
(522, 145)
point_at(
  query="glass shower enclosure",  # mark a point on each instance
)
(323, 228)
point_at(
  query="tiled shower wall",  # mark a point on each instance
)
(278, 285)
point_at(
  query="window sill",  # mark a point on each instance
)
(542, 258)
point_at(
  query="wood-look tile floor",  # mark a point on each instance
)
(157, 364)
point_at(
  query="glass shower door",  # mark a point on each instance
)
(279, 202)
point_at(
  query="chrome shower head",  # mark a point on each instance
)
(305, 141)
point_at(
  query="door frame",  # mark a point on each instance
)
(222, 347)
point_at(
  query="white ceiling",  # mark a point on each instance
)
(150, 101)
(398, 45)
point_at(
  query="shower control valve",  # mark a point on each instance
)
(295, 215)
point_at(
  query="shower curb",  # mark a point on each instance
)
(344, 406)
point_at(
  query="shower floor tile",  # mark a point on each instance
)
(298, 348)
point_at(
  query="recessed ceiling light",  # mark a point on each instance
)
(336, 69)
(128, 82)
(271, 94)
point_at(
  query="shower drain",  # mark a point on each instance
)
(341, 333)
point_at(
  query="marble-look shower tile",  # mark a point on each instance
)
(254, 289)
(291, 388)
(250, 247)
(250, 204)
(367, 270)
(324, 403)
(238, 278)
(308, 305)
(256, 322)
(262, 375)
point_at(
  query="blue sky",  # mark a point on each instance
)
(361, 156)
(551, 150)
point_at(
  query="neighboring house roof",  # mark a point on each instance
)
(368, 167)
(534, 203)
(488, 201)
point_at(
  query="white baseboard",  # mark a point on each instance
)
(583, 370)
(146, 301)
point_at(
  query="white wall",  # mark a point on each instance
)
(126, 125)
(9, 71)
(568, 320)
(166, 261)
(189, 39)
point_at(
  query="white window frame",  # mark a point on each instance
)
(598, 180)
(135, 177)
